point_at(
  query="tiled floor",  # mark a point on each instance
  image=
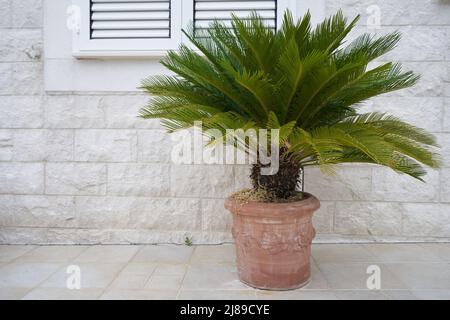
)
(339, 271)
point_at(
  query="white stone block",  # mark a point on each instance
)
(206, 181)
(446, 120)
(427, 219)
(139, 213)
(419, 43)
(75, 179)
(425, 113)
(105, 145)
(324, 217)
(432, 78)
(6, 145)
(444, 150)
(21, 112)
(21, 178)
(445, 185)
(37, 211)
(122, 111)
(78, 236)
(132, 236)
(154, 146)
(215, 217)
(21, 45)
(216, 237)
(42, 145)
(26, 79)
(350, 183)
(391, 186)
(13, 235)
(27, 13)
(68, 111)
(446, 70)
(368, 218)
(394, 12)
(5, 13)
(5, 78)
(138, 180)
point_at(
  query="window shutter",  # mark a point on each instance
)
(206, 11)
(126, 28)
(130, 19)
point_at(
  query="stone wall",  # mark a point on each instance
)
(80, 167)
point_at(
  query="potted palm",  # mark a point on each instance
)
(307, 84)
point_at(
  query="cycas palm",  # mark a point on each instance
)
(301, 80)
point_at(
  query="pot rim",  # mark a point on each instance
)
(270, 209)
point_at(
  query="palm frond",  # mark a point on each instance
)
(305, 82)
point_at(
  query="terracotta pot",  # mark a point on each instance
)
(273, 242)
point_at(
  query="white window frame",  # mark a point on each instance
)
(84, 46)
(182, 13)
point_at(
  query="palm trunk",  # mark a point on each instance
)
(283, 183)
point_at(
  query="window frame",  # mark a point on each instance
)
(182, 14)
(84, 46)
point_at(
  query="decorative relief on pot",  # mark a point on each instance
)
(275, 243)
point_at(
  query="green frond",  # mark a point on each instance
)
(256, 39)
(329, 34)
(388, 124)
(367, 47)
(305, 81)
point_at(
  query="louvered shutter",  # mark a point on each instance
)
(123, 28)
(206, 11)
(127, 27)
(125, 19)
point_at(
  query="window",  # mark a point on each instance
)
(127, 27)
(122, 40)
(150, 27)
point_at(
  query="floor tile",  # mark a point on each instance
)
(170, 269)
(212, 276)
(108, 254)
(11, 252)
(318, 280)
(52, 254)
(299, 294)
(408, 271)
(441, 250)
(93, 275)
(130, 281)
(422, 275)
(338, 253)
(25, 274)
(172, 282)
(121, 294)
(215, 254)
(164, 254)
(432, 294)
(399, 294)
(63, 294)
(360, 295)
(354, 276)
(401, 253)
(217, 295)
(139, 268)
(13, 293)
